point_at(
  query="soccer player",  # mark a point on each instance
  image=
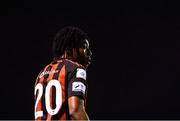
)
(61, 87)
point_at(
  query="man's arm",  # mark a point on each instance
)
(77, 109)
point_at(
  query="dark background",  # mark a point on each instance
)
(136, 56)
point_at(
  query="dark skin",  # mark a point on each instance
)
(81, 55)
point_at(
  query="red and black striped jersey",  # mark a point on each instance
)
(54, 85)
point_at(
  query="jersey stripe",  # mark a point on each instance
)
(61, 79)
(54, 67)
(46, 76)
(56, 76)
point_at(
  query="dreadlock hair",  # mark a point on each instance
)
(67, 38)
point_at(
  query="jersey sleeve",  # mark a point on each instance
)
(78, 85)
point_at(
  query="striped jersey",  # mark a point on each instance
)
(58, 81)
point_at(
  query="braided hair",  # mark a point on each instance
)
(66, 39)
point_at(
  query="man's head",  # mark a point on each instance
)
(72, 43)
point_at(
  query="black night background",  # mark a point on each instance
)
(135, 64)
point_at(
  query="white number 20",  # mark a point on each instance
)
(39, 88)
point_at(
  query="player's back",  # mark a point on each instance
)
(51, 90)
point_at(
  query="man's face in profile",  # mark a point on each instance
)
(84, 54)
